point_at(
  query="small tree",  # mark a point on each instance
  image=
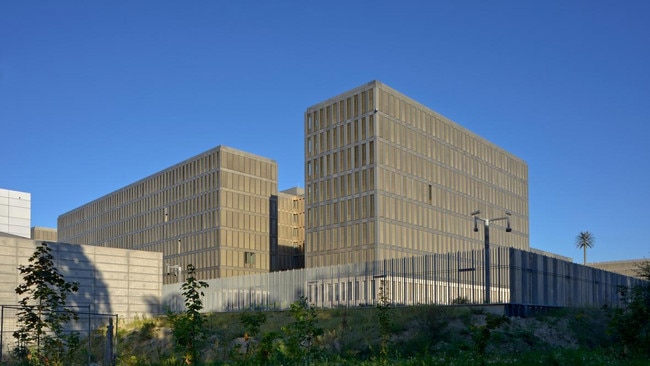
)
(384, 320)
(302, 333)
(643, 270)
(481, 334)
(252, 321)
(187, 327)
(630, 323)
(43, 313)
(585, 240)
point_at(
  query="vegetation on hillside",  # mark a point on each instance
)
(387, 335)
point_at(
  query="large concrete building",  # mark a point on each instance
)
(15, 212)
(387, 177)
(218, 210)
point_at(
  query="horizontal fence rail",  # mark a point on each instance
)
(516, 277)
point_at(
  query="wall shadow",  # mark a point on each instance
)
(78, 263)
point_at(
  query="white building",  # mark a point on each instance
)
(15, 212)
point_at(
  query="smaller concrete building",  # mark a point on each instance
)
(111, 281)
(628, 267)
(44, 234)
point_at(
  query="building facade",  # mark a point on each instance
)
(291, 229)
(217, 211)
(44, 234)
(386, 177)
(15, 212)
(630, 267)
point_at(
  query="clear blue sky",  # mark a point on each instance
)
(96, 95)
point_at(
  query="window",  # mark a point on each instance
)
(249, 258)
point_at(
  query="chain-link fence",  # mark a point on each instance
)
(95, 331)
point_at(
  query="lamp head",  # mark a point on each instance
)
(475, 224)
(477, 212)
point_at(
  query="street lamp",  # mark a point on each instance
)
(486, 231)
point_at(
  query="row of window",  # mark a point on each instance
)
(343, 257)
(456, 235)
(462, 175)
(258, 167)
(353, 235)
(343, 211)
(244, 202)
(452, 192)
(201, 190)
(414, 128)
(242, 220)
(342, 110)
(337, 187)
(354, 157)
(340, 136)
(249, 184)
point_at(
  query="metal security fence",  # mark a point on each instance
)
(540, 280)
(95, 330)
(516, 277)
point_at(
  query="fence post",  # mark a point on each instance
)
(2, 329)
(89, 337)
(108, 351)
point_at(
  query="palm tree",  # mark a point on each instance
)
(585, 240)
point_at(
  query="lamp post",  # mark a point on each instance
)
(486, 231)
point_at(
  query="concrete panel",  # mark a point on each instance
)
(110, 276)
(110, 259)
(106, 251)
(139, 293)
(19, 195)
(140, 309)
(121, 308)
(142, 279)
(19, 222)
(141, 255)
(7, 261)
(142, 262)
(7, 279)
(19, 212)
(144, 286)
(21, 203)
(83, 282)
(139, 271)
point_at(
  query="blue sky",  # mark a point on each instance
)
(96, 95)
